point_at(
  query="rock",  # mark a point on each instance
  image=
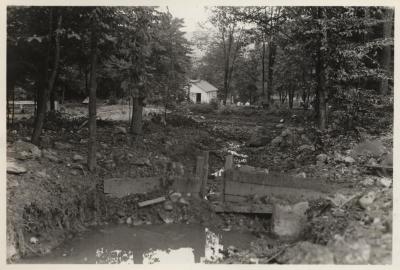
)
(339, 199)
(166, 217)
(168, 206)
(385, 182)
(62, 146)
(23, 155)
(367, 182)
(307, 253)
(34, 240)
(322, 158)
(279, 125)
(129, 221)
(120, 130)
(373, 148)
(372, 161)
(138, 222)
(142, 162)
(74, 172)
(306, 147)
(77, 158)
(366, 200)
(50, 155)
(289, 221)
(282, 120)
(14, 168)
(257, 140)
(99, 156)
(42, 174)
(350, 252)
(30, 150)
(301, 175)
(286, 132)
(277, 141)
(183, 201)
(174, 197)
(349, 160)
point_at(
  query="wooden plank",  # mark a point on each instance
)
(275, 179)
(121, 187)
(287, 193)
(243, 208)
(228, 166)
(152, 201)
(203, 190)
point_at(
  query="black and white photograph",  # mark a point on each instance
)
(199, 134)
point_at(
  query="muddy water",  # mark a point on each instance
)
(175, 243)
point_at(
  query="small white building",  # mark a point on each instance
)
(201, 91)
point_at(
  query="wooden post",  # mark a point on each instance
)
(204, 178)
(199, 174)
(228, 166)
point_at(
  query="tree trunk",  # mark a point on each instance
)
(387, 51)
(137, 110)
(320, 76)
(263, 69)
(46, 89)
(92, 100)
(291, 96)
(271, 61)
(226, 70)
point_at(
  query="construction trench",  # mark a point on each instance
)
(254, 193)
(199, 205)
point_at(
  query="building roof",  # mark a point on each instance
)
(204, 85)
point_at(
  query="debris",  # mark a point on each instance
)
(151, 202)
(306, 253)
(277, 141)
(77, 157)
(50, 155)
(350, 252)
(245, 208)
(385, 182)
(174, 197)
(367, 182)
(83, 124)
(279, 125)
(120, 130)
(282, 120)
(306, 147)
(168, 206)
(142, 162)
(366, 200)
(14, 168)
(289, 221)
(322, 158)
(62, 146)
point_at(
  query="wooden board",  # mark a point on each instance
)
(243, 208)
(233, 188)
(274, 179)
(121, 187)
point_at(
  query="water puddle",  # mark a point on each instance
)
(151, 244)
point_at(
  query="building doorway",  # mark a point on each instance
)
(198, 97)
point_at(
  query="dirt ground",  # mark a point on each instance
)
(58, 197)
